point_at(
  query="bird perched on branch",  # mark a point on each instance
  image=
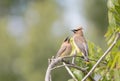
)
(65, 49)
(80, 43)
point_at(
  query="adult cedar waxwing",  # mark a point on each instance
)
(80, 43)
(65, 48)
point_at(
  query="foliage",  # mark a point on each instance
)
(114, 27)
(109, 68)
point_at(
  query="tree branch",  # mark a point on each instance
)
(71, 65)
(52, 64)
(102, 57)
(84, 70)
(69, 71)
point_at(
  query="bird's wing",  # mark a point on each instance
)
(81, 44)
(61, 50)
(86, 48)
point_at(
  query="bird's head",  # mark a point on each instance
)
(78, 30)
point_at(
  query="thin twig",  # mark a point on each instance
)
(69, 71)
(102, 57)
(81, 57)
(57, 67)
(73, 59)
(71, 65)
(103, 62)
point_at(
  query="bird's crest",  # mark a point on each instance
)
(67, 39)
(79, 28)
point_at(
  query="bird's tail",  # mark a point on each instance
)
(86, 59)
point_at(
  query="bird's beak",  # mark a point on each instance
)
(73, 30)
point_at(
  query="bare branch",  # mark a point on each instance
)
(52, 63)
(102, 57)
(57, 67)
(71, 65)
(69, 71)
(49, 61)
(84, 70)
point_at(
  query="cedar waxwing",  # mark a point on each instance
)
(65, 48)
(80, 43)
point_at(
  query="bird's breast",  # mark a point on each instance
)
(76, 47)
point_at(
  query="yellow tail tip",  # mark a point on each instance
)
(87, 62)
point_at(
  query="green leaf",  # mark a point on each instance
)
(78, 74)
(114, 61)
(117, 75)
(71, 80)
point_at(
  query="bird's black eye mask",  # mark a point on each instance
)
(74, 30)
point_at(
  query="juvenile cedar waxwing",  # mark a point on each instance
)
(80, 43)
(65, 48)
